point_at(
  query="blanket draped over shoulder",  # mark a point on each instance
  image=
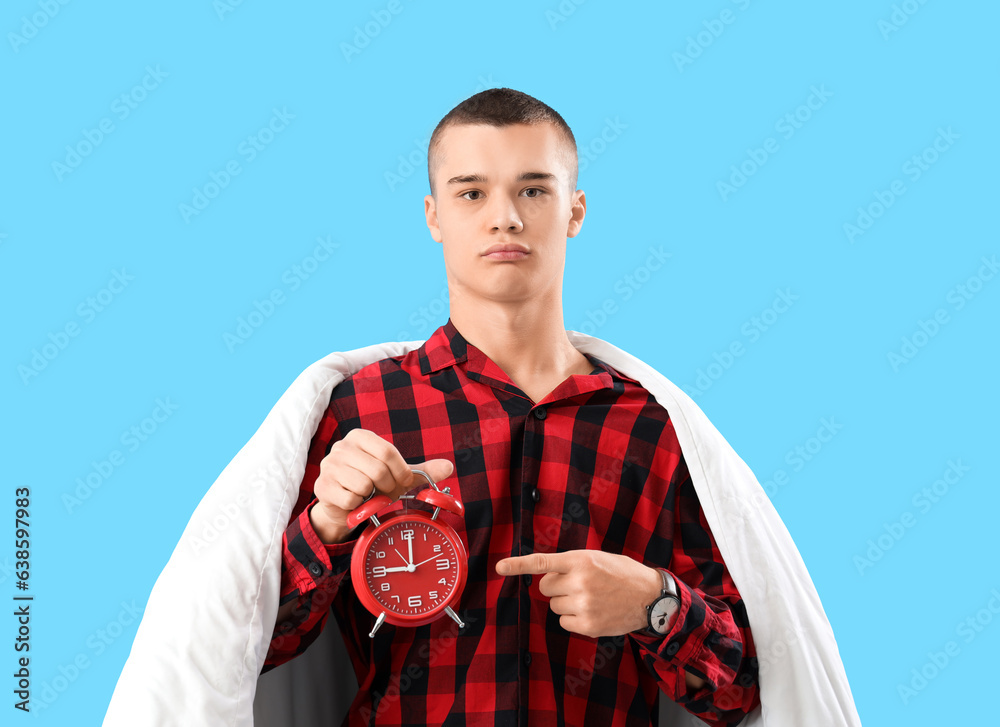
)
(208, 621)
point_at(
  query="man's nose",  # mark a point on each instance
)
(504, 214)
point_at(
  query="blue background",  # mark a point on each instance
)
(680, 97)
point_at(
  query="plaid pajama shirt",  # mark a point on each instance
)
(595, 464)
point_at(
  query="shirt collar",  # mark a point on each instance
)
(448, 347)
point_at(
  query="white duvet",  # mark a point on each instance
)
(208, 622)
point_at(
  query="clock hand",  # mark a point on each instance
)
(409, 542)
(436, 555)
(401, 556)
(399, 569)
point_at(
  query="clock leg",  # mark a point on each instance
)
(447, 610)
(378, 622)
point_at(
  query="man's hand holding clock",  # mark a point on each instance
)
(361, 465)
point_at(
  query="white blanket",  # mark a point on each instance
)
(208, 622)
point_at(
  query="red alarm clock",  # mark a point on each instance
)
(410, 567)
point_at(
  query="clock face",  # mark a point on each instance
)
(411, 567)
(662, 613)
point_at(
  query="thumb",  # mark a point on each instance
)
(436, 469)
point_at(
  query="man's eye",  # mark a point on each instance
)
(539, 192)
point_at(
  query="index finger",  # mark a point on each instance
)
(535, 564)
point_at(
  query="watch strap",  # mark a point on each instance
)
(669, 587)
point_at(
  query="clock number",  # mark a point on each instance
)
(385, 586)
(406, 535)
(390, 541)
(437, 548)
(379, 553)
(443, 563)
(414, 601)
(425, 537)
(395, 596)
(442, 581)
(433, 595)
(378, 571)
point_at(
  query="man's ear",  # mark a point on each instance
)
(430, 212)
(577, 213)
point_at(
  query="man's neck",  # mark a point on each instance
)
(529, 345)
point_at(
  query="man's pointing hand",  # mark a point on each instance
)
(595, 593)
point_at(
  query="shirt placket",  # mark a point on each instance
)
(525, 492)
(531, 457)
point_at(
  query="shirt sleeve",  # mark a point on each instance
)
(312, 572)
(710, 636)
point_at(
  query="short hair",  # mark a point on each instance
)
(502, 107)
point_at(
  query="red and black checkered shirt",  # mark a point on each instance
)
(595, 464)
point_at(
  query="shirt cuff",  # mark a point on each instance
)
(320, 561)
(683, 643)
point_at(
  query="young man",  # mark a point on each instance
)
(594, 580)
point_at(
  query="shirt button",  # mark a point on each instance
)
(540, 412)
(672, 648)
(527, 579)
(315, 568)
(535, 494)
(527, 657)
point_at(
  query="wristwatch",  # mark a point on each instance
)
(660, 614)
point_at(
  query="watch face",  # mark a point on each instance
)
(661, 614)
(412, 568)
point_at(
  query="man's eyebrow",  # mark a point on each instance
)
(522, 177)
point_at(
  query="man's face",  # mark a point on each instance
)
(507, 185)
